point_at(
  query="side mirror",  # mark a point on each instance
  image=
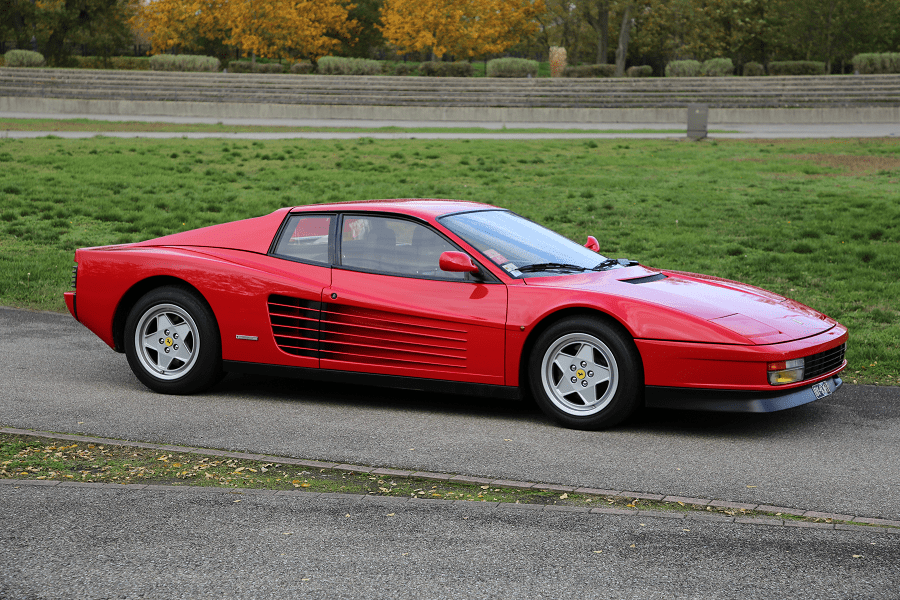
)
(592, 244)
(457, 262)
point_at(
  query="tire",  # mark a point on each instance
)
(586, 374)
(172, 341)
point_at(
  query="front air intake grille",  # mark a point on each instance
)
(824, 362)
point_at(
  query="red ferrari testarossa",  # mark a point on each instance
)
(450, 296)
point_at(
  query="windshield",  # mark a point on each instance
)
(519, 246)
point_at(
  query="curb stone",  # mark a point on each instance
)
(855, 522)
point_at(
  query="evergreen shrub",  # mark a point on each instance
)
(459, 68)
(796, 67)
(338, 65)
(183, 62)
(512, 67)
(590, 71)
(639, 71)
(754, 69)
(875, 63)
(404, 69)
(302, 68)
(683, 68)
(23, 58)
(717, 67)
(120, 63)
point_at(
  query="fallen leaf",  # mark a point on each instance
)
(857, 556)
(391, 514)
(564, 496)
(598, 551)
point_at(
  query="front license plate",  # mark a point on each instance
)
(821, 390)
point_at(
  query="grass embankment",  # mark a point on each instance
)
(818, 221)
(38, 458)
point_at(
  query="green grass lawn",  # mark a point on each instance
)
(818, 221)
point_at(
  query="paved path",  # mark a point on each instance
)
(111, 542)
(628, 130)
(837, 455)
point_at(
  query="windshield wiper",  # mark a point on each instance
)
(609, 263)
(550, 266)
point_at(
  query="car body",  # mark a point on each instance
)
(451, 296)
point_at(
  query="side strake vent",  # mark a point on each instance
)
(647, 279)
(823, 362)
(366, 336)
(295, 324)
(377, 337)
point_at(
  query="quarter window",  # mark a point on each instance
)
(305, 238)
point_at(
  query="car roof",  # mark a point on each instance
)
(418, 207)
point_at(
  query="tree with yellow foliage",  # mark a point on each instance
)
(270, 28)
(462, 28)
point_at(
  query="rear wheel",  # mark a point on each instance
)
(172, 341)
(585, 374)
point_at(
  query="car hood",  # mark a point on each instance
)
(759, 316)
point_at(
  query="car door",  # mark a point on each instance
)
(281, 297)
(391, 310)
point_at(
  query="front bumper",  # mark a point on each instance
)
(735, 401)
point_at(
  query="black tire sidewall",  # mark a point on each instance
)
(207, 369)
(627, 397)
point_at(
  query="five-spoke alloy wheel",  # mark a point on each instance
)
(172, 341)
(585, 373)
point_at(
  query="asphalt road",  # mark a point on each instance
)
(839, 454)
(65, 543)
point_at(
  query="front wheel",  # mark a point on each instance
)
(585, 374)
(172, 342)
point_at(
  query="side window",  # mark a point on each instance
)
(393, 246)
(305, 237)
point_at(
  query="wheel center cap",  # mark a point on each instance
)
(580, 374)
(169, 341)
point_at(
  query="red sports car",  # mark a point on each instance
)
(449, 296)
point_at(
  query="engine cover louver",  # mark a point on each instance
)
(367, 336)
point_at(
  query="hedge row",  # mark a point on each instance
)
(512, 67)
(714, 67)
(23, 58)
(246, 66)
(183, 62)
(121, 63)
(877, 63)
(590, 71)
(338, 65)
(796, 67)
